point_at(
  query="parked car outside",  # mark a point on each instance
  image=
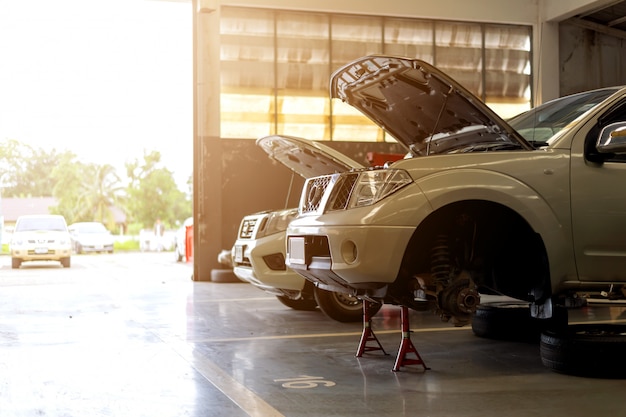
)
(40, 238)
(91, 237)
(477, 208)
(258, 255)
(180, 240)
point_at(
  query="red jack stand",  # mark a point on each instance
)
(368, 333)
(406, 345)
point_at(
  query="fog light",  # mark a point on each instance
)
(348, 251)
(275, 261)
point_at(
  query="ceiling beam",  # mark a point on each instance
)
(597, 27)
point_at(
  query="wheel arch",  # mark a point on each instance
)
(507, 233)
(549, 218)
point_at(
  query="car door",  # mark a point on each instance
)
(598, 197)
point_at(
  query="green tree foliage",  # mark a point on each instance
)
(25, 171)
(152, 193)
(10, 154)
(87, 192)
(67, 176)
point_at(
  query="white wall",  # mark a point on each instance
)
(511, 11)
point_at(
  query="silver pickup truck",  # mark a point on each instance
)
(532, 208)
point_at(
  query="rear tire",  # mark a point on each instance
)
(224, 275)
(342, 307)
(513, 322)
(16, 263)
(590, 350)
(66, 262)
(505, 321)
(302, 304)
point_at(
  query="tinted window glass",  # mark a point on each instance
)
(543, 122)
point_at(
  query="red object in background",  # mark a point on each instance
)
(189, 243)
(378, 159)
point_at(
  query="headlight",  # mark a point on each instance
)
(373, 186)
(276, 222)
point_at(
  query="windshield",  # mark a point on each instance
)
(40, 223)
(474, 138)
(541, 123)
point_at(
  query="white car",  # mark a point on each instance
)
(91, 237)
(258, 254)
(477, 209)
(180, 240)
(40, 238)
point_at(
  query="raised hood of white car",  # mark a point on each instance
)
(305, 157)
(420, 106)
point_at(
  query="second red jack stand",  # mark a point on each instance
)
(368, 334)
(406, 345)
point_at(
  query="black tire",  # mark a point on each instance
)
(513, 322)
(224, 275)
(178, 256)
(505, 321)
(16, 263)
(342, 307)
(302, 304)
(66, 262)
(589, 350)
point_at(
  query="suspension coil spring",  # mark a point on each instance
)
(440, 267)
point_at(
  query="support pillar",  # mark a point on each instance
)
(207, 149)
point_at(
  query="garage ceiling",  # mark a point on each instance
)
(609, 20)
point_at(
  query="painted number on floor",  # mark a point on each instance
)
(305, 381)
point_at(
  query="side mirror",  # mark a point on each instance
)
(612, 139)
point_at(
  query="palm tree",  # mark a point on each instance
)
(86, 192)
(99, 191)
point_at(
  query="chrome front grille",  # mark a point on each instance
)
(313, 193)
(336, 189)
(247, 228)
(342, 191)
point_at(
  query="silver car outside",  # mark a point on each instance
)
(40, 238)
(91, 237)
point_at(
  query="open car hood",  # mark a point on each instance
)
(421, 107)
(307, 158)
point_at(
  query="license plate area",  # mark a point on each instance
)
(239, 253)
(296, 250)
(41, 251)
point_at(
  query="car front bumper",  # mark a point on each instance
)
(357, 257)
(249, 264)
(96, 247)
(37, 254)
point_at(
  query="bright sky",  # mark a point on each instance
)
(106, 79)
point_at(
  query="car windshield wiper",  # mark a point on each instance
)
(483, 147)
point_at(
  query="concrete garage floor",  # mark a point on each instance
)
(132, 335)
